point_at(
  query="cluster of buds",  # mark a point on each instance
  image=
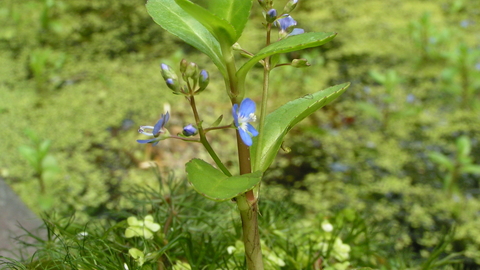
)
(196, 81)
(284, 22)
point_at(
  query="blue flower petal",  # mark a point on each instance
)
(234, 114)
(252, 130)
(247, 107)
(161, 123)
(147, 141)
(158, 126)
(245, 137)
(167, 117)
(296, 31)
(286, 22)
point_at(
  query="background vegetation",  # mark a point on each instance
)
(393, 166)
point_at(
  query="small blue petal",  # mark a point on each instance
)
(147, 141)
(158, 126)
(285, 23)
(247, 107)
(164, 67)
(252, 130)
(235, 114)
(296, 31)
(245, 137)
(161, 123)
(203, 75)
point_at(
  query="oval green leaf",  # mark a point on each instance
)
(280, 121)
(215, 185)
(175, 20)
(234, 12)
(222, 30)
(290, 44)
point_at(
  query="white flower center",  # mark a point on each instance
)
(243, 121)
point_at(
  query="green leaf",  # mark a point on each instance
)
(222, 30)
(43, 148)
(234, 12)
(280, 121)
(473, 169)
(31, 155)
(463, 146)
(441, 159)
(213, 184)
(175, 20)
(218, 121)
(290, 44)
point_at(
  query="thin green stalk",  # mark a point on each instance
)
(203, 138)
(263, 106)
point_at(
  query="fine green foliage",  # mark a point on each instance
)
(280, 121)
(215, 185)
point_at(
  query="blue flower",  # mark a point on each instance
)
(242, 117)
(156, 130)
(285, 23)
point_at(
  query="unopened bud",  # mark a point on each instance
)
(173, 85)
(237, 47)
(300, 63)
(203, 80)
(291, 5)
(183, 65)
(271, 15)
(191, 71)
(167, 72)
(189, 130)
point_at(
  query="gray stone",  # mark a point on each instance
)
(14, 215)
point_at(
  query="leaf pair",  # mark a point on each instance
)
(208, 30)
(215, 185)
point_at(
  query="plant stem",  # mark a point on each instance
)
(248, 206)
(247, 202)
(203, 138)
(263, 106)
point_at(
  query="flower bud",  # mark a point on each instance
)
(236, 47)
(271, 15)
(290, 6)
(203, 80)
(170, 78)
(167, 72)
(183, 65)
(191, 71)
(173, 85)
(300, 63)
(189, 130)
